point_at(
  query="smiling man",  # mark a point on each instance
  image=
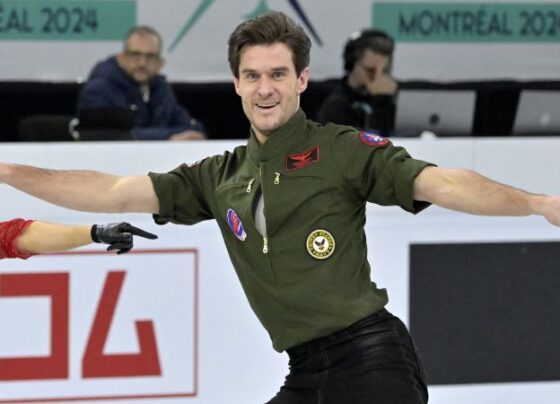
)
(291, 208)
(269, 87)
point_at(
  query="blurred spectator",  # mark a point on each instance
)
(130, 81)
(365, 97)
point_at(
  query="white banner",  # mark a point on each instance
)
(61, 40)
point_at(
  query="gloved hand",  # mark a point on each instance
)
(119, 236)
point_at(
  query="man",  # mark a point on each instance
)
(131, 80)
(365, 97)
(21, 238)
(291, 209)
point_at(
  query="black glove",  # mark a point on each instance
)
(118, 235)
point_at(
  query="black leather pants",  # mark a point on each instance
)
(373, 361)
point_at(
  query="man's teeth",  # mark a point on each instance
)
(266, 105)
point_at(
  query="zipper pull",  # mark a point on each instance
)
(265, 245)
(276, 178)
(250, 185)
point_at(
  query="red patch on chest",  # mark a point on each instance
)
(301, 160)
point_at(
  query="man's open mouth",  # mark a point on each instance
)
(268, 105)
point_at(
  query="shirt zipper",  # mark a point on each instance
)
(265, 245)
(250, 185)
(265, 237)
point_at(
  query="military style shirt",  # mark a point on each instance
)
(308, 275)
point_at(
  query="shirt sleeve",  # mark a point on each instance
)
(376, 170)
(9, 233)
(182, 194)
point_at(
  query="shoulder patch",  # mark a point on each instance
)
(373, 139)
(301, 160)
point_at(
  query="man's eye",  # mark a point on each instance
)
(251, 76)
(278, 75)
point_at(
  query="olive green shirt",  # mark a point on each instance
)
(312, 178)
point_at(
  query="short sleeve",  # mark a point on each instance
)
(183, 194)
(378, 171)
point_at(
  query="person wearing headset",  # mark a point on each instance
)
(21, 238)
(365, 97)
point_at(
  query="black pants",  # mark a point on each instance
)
(373, 361)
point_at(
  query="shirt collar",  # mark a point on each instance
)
(279, 141)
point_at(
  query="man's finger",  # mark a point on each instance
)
(119, 246)
(124, 250)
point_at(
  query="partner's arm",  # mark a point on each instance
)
(21, 238)
(43, 237)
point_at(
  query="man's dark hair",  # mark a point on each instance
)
(375, 40)
(268, 29)
(142, 30)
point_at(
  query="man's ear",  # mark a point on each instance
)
(236, 85)
(161, 63)
(121, 59)
(303, 80)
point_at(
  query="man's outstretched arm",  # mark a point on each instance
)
(469, 192)
(89, 191)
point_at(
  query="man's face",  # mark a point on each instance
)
(366, 69)
(141, 59)
(269, 87)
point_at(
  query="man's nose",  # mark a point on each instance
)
(142, 60)
(265, 87)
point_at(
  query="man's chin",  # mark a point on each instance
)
(267, 127)
(141, 78)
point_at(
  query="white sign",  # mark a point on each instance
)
(93, 325)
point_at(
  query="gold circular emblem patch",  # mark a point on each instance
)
(320, 244)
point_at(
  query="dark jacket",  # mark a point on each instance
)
(109, 86)
(344, 106)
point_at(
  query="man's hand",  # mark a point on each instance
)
(381, 82)
(549, 207)
(119, 236)
(188, 135)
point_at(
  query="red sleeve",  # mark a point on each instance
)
(9, 232)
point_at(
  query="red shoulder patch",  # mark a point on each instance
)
(373, 139)
(301, 160)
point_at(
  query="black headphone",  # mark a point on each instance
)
(374, 39)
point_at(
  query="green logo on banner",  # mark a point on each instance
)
(469, 22)
(66, 20)
(260, 9)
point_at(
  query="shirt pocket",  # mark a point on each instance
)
(304, 197)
